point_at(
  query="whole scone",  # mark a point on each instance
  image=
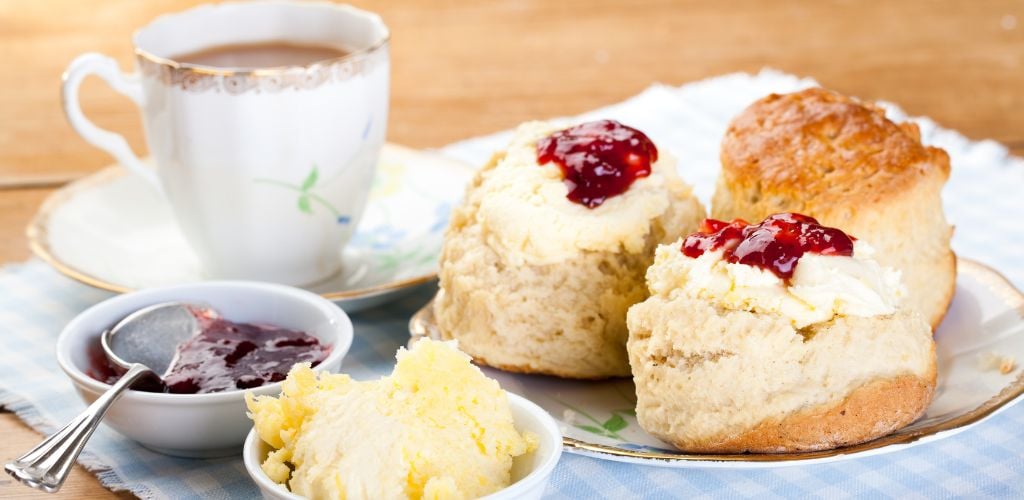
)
(729, 357)
(532, 281)
(843, 162)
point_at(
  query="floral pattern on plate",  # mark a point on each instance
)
(111, 230)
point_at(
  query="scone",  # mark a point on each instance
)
(783, 336)
(549, 248)
(843, 162)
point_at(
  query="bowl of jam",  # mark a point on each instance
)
(250, 335)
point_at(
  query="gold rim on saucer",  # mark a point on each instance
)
(422, 325)
(38, 242)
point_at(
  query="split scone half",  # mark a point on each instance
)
(844, 163)
(783, 336)
(550, 245)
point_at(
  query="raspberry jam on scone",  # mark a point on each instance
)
(598, 159)
(775, 244)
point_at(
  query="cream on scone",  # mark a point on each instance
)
(779, 337)
(844, 163)
(541, 261)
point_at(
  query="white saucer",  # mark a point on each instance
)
(987, 316)
(111, 230)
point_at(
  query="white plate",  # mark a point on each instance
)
(113, 231)
(986, 316)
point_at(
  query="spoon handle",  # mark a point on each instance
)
(47, 466)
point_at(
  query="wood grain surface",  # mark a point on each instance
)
(465, 68)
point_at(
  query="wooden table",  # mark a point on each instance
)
(462, 69)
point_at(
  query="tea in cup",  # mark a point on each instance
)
(264, 120)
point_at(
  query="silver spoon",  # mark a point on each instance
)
(145, 344)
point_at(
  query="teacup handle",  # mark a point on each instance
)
(128, 85)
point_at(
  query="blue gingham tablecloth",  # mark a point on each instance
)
(983, 199)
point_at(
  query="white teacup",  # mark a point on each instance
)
(267, 170)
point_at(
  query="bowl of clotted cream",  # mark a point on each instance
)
(437, 427)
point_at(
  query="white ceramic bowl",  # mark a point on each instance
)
(530, 472)
(198, 425)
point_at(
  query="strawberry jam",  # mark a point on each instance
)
(598, 159)
(226, 356)
(776, 244)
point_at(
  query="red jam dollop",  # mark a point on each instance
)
(598, 159)
(226, 356)
(776, 244)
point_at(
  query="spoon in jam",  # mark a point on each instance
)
(144, 344)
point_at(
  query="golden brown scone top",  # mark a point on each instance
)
(817, 142)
